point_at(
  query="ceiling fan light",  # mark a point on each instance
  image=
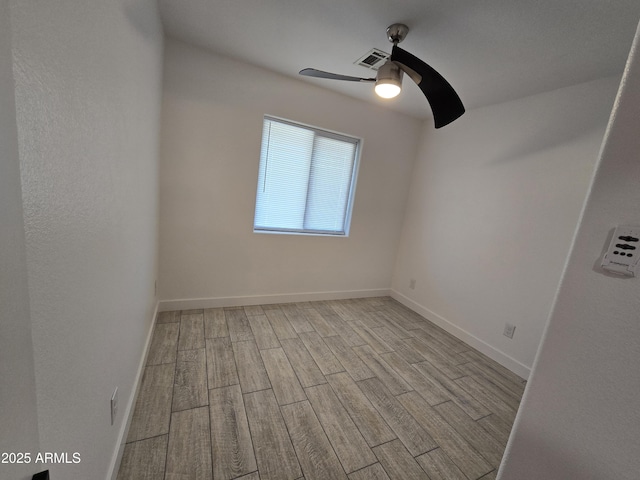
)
(389, 80)
(387, 90)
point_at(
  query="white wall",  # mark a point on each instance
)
(18, 415)
(580, 417)
(494, 201)
(88, 94)
(212, 122)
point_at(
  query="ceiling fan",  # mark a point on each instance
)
(445, 103)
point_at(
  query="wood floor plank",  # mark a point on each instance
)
(459, 395)
(280, 324)
(283, 379)
(221, 365)
(439, 466)
(387, 320)
(274, 452)
(442, 363)
(495, 404)
(453, 444)
(513, 389)
(342, 310)
(294, 309)
(370, 423)
(251, 476)
(401, 347)
(231, 445)
(483, 360)
(317, 458)
(370, 319)
(164, 344)
(323, 307)
(271, 306)
(398, 462)
(400, 320)
(490, 476)
(387, 375)
(409, 318)
(369, 336)
(343, 329)
(373, 472)
(351, 362)
(253, 310)
(347, 441)
(498, 428)
(324, 358)
(144, 459)
(305, 367)
(434, 344)
(238, 325)
(491, 385)
(191, 332)
(412, 435)
(319, 323)
(152, 412)
(372, 303)
(251, 371)
(432, 392)
(297, 319)
(168, 317)
(262, 332)
(215, 323)
(189, 449)
(448, 342)
(490, 448)
(190, 385)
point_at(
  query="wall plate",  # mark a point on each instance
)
(623, 252)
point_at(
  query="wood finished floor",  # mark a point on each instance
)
(359, 389)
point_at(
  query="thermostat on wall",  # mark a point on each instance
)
(624, 251)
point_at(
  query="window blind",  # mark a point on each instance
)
(306, 179)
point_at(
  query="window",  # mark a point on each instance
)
(306, 179)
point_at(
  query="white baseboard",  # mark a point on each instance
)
(502, 358)
(215, 302)
(128, 412)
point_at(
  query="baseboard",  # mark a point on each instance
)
(128, 412)
(215, 302)
(502, 358)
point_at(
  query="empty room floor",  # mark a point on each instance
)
(356, 389)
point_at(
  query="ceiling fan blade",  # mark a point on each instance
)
(312, 72)
(444, 101)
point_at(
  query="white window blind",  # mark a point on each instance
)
(306, 179)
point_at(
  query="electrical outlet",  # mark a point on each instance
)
(412, 284)
(509, 330)
(114, 405)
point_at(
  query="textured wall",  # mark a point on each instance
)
(494, 202)
(212, 127)
(88, 91)
(18, 415)
(579, 418)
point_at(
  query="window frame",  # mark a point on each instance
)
(332, 134)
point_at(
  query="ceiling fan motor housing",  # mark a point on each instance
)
(389, 73)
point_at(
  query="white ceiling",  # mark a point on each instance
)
(490, 51)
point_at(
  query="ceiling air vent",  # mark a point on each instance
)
(373, 60)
